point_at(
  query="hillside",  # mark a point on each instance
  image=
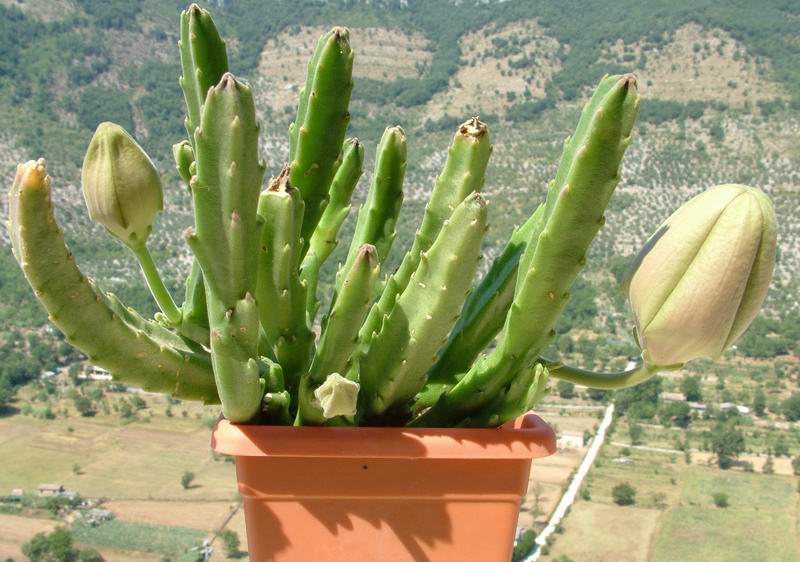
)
(721, 104)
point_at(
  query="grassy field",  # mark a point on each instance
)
(674, 518)
(763, 509)
(113, 457)
(135, 465)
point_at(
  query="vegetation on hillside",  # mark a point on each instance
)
(116, 60)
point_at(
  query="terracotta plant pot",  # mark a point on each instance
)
(324, 494)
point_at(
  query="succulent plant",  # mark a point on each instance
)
(409, 349)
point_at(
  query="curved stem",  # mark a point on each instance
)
(640, 372)
(156, 285)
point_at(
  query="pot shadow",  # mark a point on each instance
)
(258, 518)
(429, 525)
(317, 488)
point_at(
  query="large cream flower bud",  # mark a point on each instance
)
(121, 186)
(701, 278)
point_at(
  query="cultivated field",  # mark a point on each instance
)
(136, 464)
(675, 518)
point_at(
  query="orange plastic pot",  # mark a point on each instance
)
(325, 494)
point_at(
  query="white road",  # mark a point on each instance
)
(572, 491)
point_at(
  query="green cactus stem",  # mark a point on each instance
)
(592, 159)
(194, 310)
(523, 393)
(393, 370)
(317, 134)
(463, 173)
(324, 240)
(377, 216)
(281, 294)
(482, 317)
(204, 61)
(377, 220)
(134, 350)
(225, 192)
(340, 331)
(637, 373)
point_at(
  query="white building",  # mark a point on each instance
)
(570, 440)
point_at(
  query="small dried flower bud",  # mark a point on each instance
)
(337, 396)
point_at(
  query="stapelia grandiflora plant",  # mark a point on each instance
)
(407, 349)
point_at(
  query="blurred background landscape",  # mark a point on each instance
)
(700, 464)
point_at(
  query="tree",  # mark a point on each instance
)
(55, 547)
(84, 406)
(635, 432)
(726, 442)
(639, 401)
(597, 394)
(720, 499)
(125, 410)
(760, 403)
(231, 543)
(791, 407)
(690, 386)
(565, 389)
(624, 494)
(186, 479)
(781, 448)
(796, 466)
(6, 394)
(769, 466)
(138, 403)
(677, 413)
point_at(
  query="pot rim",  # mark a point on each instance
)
(526, 437)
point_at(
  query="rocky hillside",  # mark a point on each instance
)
(720, 88)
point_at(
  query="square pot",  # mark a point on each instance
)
(366, 494)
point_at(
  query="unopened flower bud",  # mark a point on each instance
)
(701, 278)
(121, 186)
(337, 396)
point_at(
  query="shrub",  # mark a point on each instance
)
(565, 389)
(524, 545)
(53, 547)
(230, 542)
(720, 499)
(186, 479)
(84, 406)
(90, 555)
(624, 494)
